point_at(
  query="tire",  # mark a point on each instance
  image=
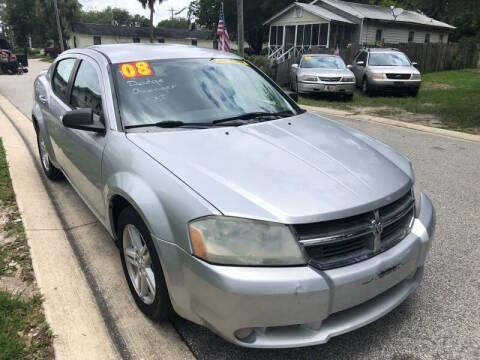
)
(414, 93)
(50, 171)
(366, 88)
(348, 97)
(134, 240)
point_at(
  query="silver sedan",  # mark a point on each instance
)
(317, 73)
(231, 205)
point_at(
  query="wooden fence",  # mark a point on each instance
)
(430, 58)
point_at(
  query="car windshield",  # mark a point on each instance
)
(388, 59)
(322, 62)
(193, 91)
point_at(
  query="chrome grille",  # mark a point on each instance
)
(329, 79)
(336, 243)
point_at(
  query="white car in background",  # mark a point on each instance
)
(320, 73)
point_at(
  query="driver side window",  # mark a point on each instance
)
(86, 91)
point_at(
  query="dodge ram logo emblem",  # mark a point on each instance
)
(377, 227)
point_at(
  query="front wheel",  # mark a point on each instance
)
(413, 92)
(141, 266)
(50, 171)
(366, 88)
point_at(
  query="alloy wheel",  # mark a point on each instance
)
(44, 154)
(139, 264)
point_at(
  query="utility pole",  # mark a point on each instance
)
(59, 28)
(240, 26)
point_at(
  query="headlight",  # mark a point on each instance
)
(308, 78)
(236, 241)
(348, 79)
(377, 76)
(416, 77)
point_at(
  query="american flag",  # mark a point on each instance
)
(223, 38)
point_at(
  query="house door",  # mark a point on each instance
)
(289, 37)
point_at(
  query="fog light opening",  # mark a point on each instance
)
(246, 335)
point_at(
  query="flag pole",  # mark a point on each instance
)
(240, 26)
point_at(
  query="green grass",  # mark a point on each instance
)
(7, 196)
(24, 333)
(14, 251)
(42, 58)
(451, 96)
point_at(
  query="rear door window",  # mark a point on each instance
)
(61, 77)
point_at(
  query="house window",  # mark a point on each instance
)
(161, 40)
(136, 40)
(427, 38)
(323, 34)
(411, 35)
(300, 29)
(315, 34)
(194, 42)
(97, 40)
(379, 35)
(298, 12)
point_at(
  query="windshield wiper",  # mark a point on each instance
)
(254, 115)
(168, 124)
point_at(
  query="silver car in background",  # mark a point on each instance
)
(230, 205)
(319, 73)
(380, 70)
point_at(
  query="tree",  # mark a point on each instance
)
(20, 17)
(69, 11)
(255, 13)
(178, 23)
(109, 14)
(150, 4)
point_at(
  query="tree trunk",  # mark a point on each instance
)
(151, 25)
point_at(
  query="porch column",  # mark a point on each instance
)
(269, 39)
(283, 38)
(295, 41)
(328, 34)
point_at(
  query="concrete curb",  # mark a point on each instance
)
(70, 307)
(396, 123)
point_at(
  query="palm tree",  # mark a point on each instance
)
(150, 4)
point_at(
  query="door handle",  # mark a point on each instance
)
(42, 98)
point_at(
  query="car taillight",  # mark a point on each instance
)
(14, 57)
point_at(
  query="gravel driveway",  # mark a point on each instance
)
(441, 320)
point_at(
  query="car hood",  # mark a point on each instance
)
(395, 69)
(292, 170)
(325, 72)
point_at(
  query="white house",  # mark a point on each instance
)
(332, 23)
(82, 34)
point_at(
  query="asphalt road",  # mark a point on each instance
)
(441, 320)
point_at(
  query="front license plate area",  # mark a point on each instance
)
(330, 87)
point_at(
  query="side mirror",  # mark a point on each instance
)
(349, 67)
(293, 95)
(361, 63)
(294, 66)
(82, 119)
(414, 64)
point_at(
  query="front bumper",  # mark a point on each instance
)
(395, 85)
(334, 88)
(296, 306)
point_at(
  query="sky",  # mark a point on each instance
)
(134, 7)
